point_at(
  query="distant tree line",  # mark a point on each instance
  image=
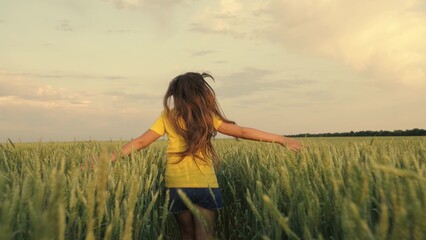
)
(381, 133)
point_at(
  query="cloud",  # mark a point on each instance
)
(132, 4)
(127, 97)
(202, 53)
(72, 76)
(22, 90)
(420, 7)
(32, 111)
(217, 28)
(227, 18)
(162, 11)
(251, 80)
(114, 77)
(64, 25)
(382, 39)
(28, 122)
(120, 31)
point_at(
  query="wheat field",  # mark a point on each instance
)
(335, 188)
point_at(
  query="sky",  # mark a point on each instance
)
(98, 69)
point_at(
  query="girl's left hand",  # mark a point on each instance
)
(90, 163)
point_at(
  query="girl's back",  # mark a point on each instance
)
(191, 117)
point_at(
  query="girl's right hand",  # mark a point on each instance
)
(292, 144)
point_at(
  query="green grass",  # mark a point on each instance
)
(336, 188)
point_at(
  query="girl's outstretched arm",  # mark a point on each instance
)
(136, 144)
(258, 135)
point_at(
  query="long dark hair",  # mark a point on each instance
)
(190, 105)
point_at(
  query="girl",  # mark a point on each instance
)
(191, 117)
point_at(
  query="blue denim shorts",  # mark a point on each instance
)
(201, 197)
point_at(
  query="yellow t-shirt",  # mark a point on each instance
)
(190, 172)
